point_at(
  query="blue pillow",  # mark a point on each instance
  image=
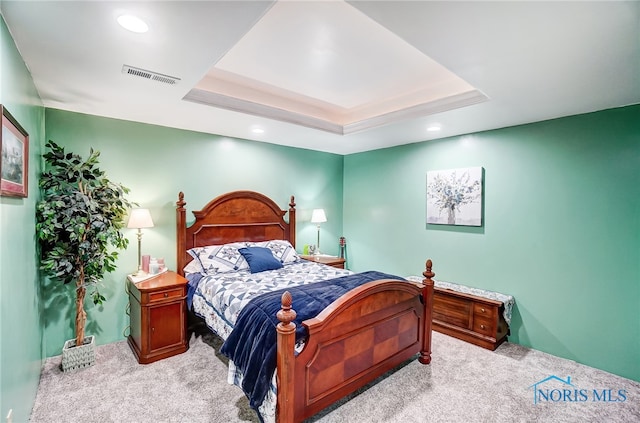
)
(260, 259)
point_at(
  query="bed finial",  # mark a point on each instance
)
(180, 203)
(286, 315)
(428, 274)
(292, 203)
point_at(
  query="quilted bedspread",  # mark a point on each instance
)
(219, 298)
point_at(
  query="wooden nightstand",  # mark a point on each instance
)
(158, 317)
(331, 261)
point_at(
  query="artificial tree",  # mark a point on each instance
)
(78, 225)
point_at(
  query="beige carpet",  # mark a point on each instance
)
(464, 383)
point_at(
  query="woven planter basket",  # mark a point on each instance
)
(78, 357)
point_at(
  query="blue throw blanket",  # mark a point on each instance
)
(252, 343)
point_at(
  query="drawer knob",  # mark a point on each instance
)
(166, 294)
(483, 327)
(482, 310)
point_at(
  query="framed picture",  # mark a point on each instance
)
(454, 196)
(14, 166)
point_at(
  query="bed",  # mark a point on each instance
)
(363, 334)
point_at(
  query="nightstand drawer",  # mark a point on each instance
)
(165, 295)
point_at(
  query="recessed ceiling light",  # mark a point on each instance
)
(133, 23)
(257, 130)
(433, 128)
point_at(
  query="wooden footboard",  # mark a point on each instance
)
(357, 338)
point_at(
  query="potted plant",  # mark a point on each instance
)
(78, 226)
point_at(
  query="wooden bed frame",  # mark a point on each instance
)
(359, 337)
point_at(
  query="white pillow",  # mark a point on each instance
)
(194, 266)
(281, 249)
(220, 258)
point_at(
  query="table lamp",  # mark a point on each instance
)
(318, 217)
(138, 219)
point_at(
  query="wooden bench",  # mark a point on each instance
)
(473, 315)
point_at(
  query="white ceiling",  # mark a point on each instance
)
(378, 71)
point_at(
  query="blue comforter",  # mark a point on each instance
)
(252, 343)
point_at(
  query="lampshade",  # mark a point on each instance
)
(318, 216)
(140, 218)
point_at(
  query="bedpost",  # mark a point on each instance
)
(292, 222)
(181, 242)
(427, 295)
(285, 365)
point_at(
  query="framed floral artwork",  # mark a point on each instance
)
(14, 166)
(454, 196)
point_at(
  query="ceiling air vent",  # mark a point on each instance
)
(146, 74)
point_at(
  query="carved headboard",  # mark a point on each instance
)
(235, 216)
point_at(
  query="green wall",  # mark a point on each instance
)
(561, 225)
(561, 228)
(20, 324)
(156, 163)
